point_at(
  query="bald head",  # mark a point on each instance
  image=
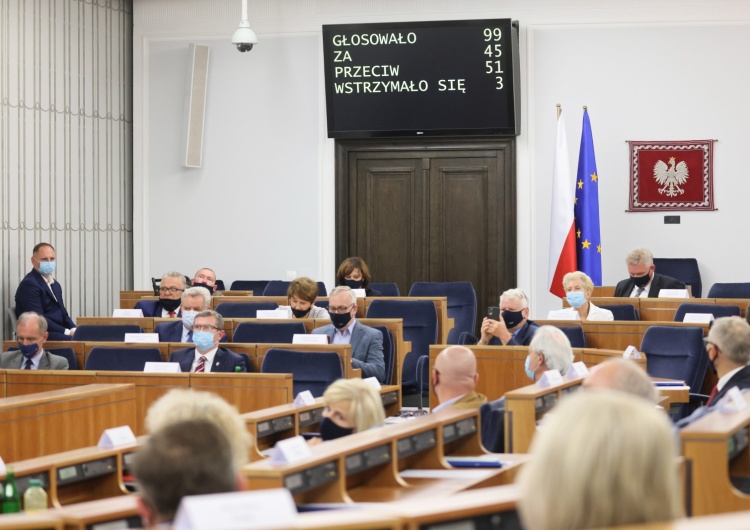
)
(455, 373)
(623, 375)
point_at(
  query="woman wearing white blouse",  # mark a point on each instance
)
(579, 287)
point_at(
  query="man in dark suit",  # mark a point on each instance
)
(208, 329)
(39, 293)
(366, 343)
(194, 300)
(31, 332)
(171, 287)
(514, 327)
(644, 282)
(728, 350)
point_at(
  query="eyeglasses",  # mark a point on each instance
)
(341, 309)
(170, 290)
(205, 327)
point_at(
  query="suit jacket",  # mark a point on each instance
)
(33, 294)
(224, 360)
(152, 308)
(367, 349)
(472, 400)
(172, 332)
(522, 338)
(625, 287)
(741, 380)
(13, 360)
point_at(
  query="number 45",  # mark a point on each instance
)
(493, 50)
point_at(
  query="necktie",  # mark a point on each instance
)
(639, 292)
(201, 367)
(712, 395)
(190, 336)
(171, 314)
(28, 364)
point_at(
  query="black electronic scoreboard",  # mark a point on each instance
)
(456, 77)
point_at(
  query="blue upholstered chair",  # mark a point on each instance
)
(244, 309)
(105, 333)
(684, 269)
(312, 371)
(256, 286)
(268, 332)
(622, 311)
(729, 290)
(121, 359)
(462, 304)
(575, 335)
(389, 354)
(716, 310)
(386, 289)
(279, 288)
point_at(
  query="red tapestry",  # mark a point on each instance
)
(671, 176)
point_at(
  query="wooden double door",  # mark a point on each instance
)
(434, 210)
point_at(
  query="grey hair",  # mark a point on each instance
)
(640, 256)
(554, 346)
(732, 336)
(198, 291)
(175, 274)
(516, 294)
(631, 378)
(344, 289)
(30, 315)
(214, 314)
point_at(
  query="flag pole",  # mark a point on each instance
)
(559, 110)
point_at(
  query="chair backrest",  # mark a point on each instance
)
(68, 353)
(256, 286)
(729, 290)
(492, 417)
(684, 269)
(244, 309)
(467, 339)
(279, 288)
(105, 333)
(220, 285)
(716, 310)
(121, 359)
(268, 332)
(462, 304)
(623, 311)
(389, 353)
(676, 353)
(575, 335)
(385, 289)
(312, 371)
(420, 328)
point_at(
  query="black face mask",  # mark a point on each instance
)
(354, 284)
(640, 281)
(204, 285)
(512, 318)
(330, 431)
(340, 320)
(169, 304)
(300, 313)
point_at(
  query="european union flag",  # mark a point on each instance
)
(588, 240)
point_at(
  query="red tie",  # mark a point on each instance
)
(201, 367)
(171, 314)
(712, 395)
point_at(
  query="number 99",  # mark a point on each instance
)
(492, 34)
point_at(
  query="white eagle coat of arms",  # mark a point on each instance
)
(670, 178)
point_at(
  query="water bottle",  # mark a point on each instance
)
(11, 497)
(35, 498)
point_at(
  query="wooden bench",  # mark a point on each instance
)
(60, 420)
(663, 309)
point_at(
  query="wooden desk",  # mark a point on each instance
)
(367, 466)
(60, 420)
(663, 309)
(525, 406)
(445, 324)
(128, 299)
(715, 447)
(76, 476)
(122, 510)
(343, 350)
(24, 382)
(146, 323)
(30, 521)
(727, 521)
(272, 424)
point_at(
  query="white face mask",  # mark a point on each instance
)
(188, 318)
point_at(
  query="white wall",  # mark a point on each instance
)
(668, 70)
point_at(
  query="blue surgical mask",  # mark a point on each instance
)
(203, 340)
(47, 267)
(28, 350)
(188, 318)
(576, 298)
(529, 371)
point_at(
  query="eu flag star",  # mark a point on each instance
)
(599, 248)
(586, 244)
(580, 184)
(594, 177)
(579, 234)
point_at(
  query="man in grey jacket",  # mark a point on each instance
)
(31, 332)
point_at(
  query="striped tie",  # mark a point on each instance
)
(201, 367)
(639, 292)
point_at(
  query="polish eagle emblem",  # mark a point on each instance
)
(670, 178)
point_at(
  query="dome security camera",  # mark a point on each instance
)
(244, 37)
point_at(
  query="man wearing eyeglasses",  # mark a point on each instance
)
(208, 330)
(366, 343)
(171, 287)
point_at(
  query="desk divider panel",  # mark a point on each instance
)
(247, 392)
(24, 382)
(146, 323)
(60, 420)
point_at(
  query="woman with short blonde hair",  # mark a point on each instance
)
(578, 288)
(352, 405)
(601, 459)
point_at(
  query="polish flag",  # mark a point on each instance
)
(562, 241)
